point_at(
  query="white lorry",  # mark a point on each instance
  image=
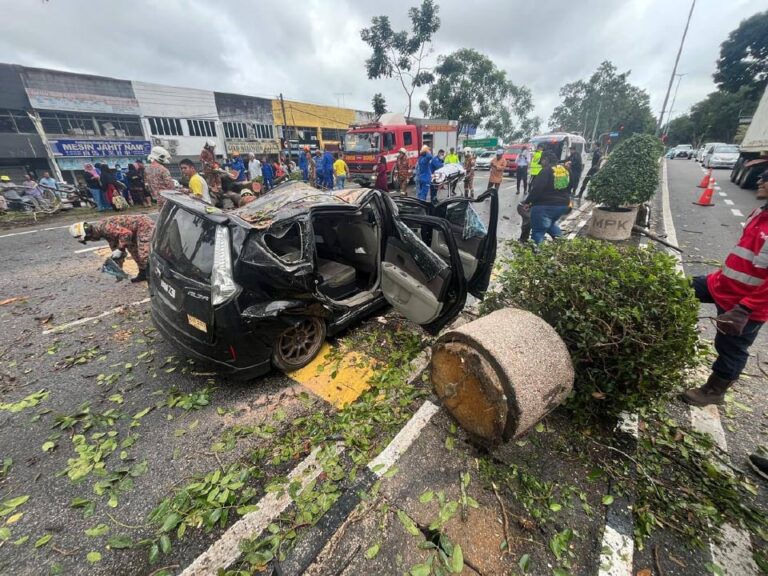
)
(753, 156)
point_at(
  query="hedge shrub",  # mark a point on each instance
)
(631, 173)
(627, 316)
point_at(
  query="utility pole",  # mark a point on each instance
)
(343, 100)
(674, 69)
(672, 106)
(594, 128)
(285, 122)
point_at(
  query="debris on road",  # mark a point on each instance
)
(12, 300)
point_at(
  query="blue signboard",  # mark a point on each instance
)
(101, 148)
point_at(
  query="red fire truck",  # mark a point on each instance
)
(364, 145)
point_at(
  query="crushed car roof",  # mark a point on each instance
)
(294, 198)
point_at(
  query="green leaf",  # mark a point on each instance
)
(165, 544)
(540, 427)
(43, 540)
(142, 413)
(119, 542)
(715, 569)
(525, 563)
(154, 553)
(427, 497)
(99, 530)
(607, 500)
(170, 522)
(93, 557)
(5, 533)
(457, 560)
(371, 553)
(555, 507)
(420, 570)
(79, 502)
(560, 572)
(48, 446)
(407, 523)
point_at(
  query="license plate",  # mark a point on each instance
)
(197, 323)
(168, 288)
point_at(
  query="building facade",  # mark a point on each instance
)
(247, 124)
(85, 119)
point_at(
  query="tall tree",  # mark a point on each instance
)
(513, 119)
(606, 100)
(468, 87)
(379, 105)
(743, 58)
(402, 54)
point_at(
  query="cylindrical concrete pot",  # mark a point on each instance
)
(613, 223)
(501, 373)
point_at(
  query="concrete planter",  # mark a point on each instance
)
(500, 374)
(612, 223)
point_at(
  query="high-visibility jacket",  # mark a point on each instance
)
(743, 278)
(536, 163)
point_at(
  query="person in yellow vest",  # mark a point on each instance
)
(340, 171)
(536, 162)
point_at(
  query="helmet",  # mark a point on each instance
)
(499, 152)
(210, 143)
(467, 150)
(403, 151)
(4, 178)
(77, 230)
(246, 193)
(306, 148)
(160, 154)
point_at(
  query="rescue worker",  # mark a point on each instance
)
(311, 168)
(209, 165)
(132, 234)
(267, 173)
(469, 178)
(402, 170)
(156, 176)
(451, 157)
(437, 163)
(536, 162)
(497, 169)
(328, 170)
(739, 291)
(424, 166)
(304, 164)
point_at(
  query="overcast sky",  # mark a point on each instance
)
(311, 49)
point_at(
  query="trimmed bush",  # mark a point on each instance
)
(631, 173)
(627, 316)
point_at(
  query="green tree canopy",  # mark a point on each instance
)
(606, 98)
(379, 105)
(402, 54)
(743, 58)
(514, 120)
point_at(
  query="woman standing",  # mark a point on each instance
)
(548, 203)
(108, 187)
(135, 182)
(93, 182)
(382, 179)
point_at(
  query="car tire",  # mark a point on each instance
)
(298, 344)
(751, 177)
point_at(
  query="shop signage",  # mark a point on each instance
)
(101, 148)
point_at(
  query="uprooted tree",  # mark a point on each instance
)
(402, 54)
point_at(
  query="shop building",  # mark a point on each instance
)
(247, 124)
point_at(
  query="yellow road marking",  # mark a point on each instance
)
(338, 381)
(129, 266)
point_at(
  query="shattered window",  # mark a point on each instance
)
(284, 240)
(463, 215)
(427, 261)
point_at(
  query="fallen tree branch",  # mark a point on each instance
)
(503, 515)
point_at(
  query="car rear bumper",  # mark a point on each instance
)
(245, 369)
(722, 164)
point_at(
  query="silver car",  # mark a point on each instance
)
(721, 156)
(484, 160)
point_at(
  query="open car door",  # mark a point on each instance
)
(473, 223)
(428, 289)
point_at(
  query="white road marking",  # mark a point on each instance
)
(403, 440)
(738, 558)
(92, 249)
(723, 194)
(92, 318)
(729, 202)
(226, 549)
(736, 212)
(33, 231)
(616, 558)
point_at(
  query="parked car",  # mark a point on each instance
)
(721, 156)
(510, 155)
(701, 152)
(484, 160)
(683, 151)
(262, 285)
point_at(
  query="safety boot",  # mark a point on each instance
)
(140, 277)
(713, 392)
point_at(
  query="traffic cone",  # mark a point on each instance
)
(705, 180)
(706, 197)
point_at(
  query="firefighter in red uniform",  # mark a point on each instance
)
(740, 292)
(132, 234)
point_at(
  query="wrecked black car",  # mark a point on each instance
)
(262, 285)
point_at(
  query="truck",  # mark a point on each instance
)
(753, 155)
(364, 145)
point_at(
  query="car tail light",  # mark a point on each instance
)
(223, 287)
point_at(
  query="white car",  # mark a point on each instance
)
(721, 156)
(701, 153)
(484, 160)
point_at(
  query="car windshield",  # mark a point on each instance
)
(186, 242)
(726, 149)
(361, 142)
(684, 147)
(514, 151)
(486, 154)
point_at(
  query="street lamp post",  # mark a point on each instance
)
(674, 69)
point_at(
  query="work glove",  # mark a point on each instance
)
(733, 321)
(117, 254)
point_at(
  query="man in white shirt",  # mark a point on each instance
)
(254, 167)
(523, 161)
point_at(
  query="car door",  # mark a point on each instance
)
(426, 288)
(473, 225)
